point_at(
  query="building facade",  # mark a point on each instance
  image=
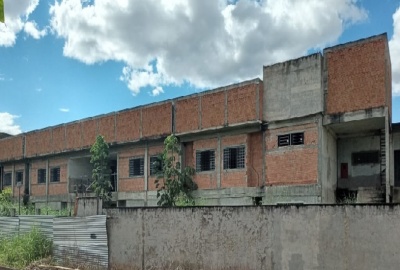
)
(314, 130)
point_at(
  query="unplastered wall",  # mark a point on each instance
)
(366, 175)
(59, 188)
(292, 165)
(328, 165)
(125, 182)
(38, 189)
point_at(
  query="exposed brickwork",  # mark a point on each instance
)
(206, 180)
(36, 188)
(127, 183)
(261, 100)
(90, 132)
(11, 148)
(213, 110)
(356, 76)
(74, 135)
(153, 151)
(107, 128)
(189, 157)
(242, 104)
(57, 188)
(58, 139)
(187, 114)
(38, 143)
(292, 164)
(128, 125)
(255, 160)
(157, 120)
(18, 168)
(234, 177)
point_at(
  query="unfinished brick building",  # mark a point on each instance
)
(314, 129)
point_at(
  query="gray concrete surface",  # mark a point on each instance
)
(293, 88)
(266, 237)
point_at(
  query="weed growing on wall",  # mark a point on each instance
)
(174, 184)
(20, 250)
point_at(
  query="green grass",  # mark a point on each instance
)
(18, 251)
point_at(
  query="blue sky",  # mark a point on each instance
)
(62, 61)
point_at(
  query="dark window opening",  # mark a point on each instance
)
(283, 140)
(41, 176)
(19, 177)
(291, 139)
(136, 166)
(55, 174)
(7, 179)
(156, 165)
(234, 157)
(344, 171)
(365, 158)
(205, 160)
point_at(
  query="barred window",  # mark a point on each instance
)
(7, 179)
(19, 176)
(205, 160)
(55, 174)
(156, 165)
(136, 166)
(291, 139)
(361, 158)
(41, 176)
(234, 157)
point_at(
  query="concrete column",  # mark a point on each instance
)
(220, 163)
(146, 176)
(387, 155)
(47, 181)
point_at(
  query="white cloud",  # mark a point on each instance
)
(16, 15)
(31, 29)
(64, 110)
(157, 91)
(7, 123)
(39, 89)
(394, 45)
(204, 43)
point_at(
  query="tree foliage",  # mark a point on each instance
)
(101, 172)
(174, 184)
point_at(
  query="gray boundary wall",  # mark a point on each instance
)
(265, 237)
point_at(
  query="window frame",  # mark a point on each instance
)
(18, 174)
(44, 175)
(290, 139)
(369, 161)
(200, 154)
(151, 165)
(141, 168)
(9, 181)
(240, 161)
(58, 175)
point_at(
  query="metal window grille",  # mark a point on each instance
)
(41, 174)
(19, 176)
(136, 166)
(155, 165)
(365, 157)
(55, 174)
(205, 160)
(234, 157)
(283, 140)
(7, 179)
(297, 138)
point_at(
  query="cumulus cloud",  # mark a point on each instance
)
(204, 43)
(16, 15)
(394, 45)
(156, 91)
(31, 29)
(64, 110)
(7, 123)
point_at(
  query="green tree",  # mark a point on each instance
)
(101, 172)
(174, 184)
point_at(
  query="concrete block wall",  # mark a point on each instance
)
(292, 165)
(358, 75)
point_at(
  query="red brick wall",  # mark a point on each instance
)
(157, 120)
(89, 128)
(36, 188)
(59, 139)
(19, 167)
(74, 135)
(38, 143)
(234, 177)
(189, 156)
(58, 188)
(128, 125)
(261, 100)
(292, 164)
(213, 110)
(205, 180)
(255, 159)
(356, 76)
(107, 128)
(153, 151)
(125, 182)
(242, 104)
(11, 148)
(187, 114)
